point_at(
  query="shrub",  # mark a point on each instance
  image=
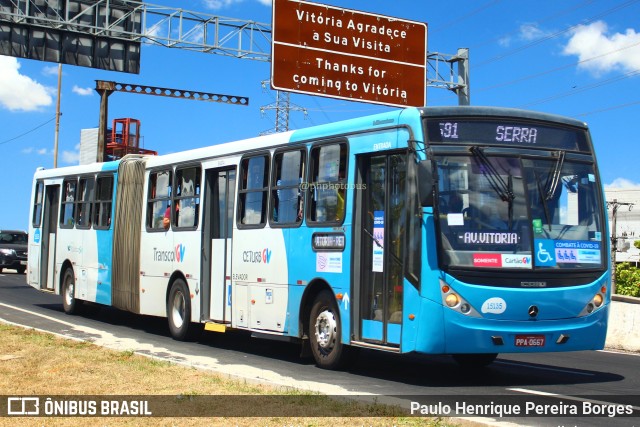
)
(627, 280)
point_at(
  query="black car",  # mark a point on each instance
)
(13, 250)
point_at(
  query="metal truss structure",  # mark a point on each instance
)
(176, 28)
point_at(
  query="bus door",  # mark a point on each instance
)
(379, 230)
(217, 232)
(48, 238)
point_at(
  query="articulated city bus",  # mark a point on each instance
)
(467, 231)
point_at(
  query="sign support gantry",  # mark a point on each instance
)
(201, 32)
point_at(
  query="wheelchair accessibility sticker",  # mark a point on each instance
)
(545, 252)
(552, 252)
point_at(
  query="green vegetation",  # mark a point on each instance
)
(628, 279)
(35, 363)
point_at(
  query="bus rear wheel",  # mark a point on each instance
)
(325, 332)
(179, 312)
(470, 361)
(69, 302)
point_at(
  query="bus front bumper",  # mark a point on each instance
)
(474, 335)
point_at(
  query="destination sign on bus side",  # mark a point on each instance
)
(496, 132)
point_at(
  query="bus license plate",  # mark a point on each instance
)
(529, 341)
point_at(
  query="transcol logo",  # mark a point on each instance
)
(176, 255)
(180, 252)
(257, 257)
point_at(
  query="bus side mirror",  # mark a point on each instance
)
(426, 181)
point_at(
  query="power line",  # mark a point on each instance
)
(463, 17)
(555, 34)
(28, 132)
(553, 70)
(615, 107)
(544, 19)
(582, 89)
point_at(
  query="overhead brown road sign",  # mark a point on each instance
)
(341, 53)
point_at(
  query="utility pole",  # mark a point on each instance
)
(58, 114)
(614, 237)
(282, 106)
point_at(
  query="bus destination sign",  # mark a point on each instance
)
(340, 53)
(505, 132)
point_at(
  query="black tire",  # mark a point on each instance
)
(472, 361)
(21, 269)
(69, 302)
(179, 313)
(325, 331)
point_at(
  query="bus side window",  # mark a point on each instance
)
(68, 205)
(83, 202)
(327, 189)
(187, 197)
(252, 195)
(103, 202)
(286, 194)
(158, 199)
(37, 205)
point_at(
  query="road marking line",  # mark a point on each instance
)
(564, 396)
(501, 362)
(44, 316)
(619, 352)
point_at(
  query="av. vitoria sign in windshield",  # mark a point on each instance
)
(505, 132)
(341, 53)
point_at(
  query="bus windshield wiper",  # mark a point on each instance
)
(554, 178)
(502, 189)
(543, 199)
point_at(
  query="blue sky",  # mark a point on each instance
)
(573, 57)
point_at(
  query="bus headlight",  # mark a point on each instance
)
(596, 302)
(453, 300)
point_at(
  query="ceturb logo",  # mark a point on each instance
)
(257, 257)
(266, 255)
(487, 260)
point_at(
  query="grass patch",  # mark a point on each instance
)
(35, 363)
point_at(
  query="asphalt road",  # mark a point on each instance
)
(600, 378)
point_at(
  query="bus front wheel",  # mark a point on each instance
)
(325, 332)
(69, 302)
(179, 312)
(478, 360)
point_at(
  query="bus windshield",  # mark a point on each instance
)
(509, 211)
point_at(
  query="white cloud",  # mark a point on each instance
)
(39, 151)
(219, 4)
(19, 92)
(621, 183)
(71, 157)
(265, 2)
(609, 52)
(531, 32)
(50, 70)
(82, 91)
(504, 41)
(156, 29)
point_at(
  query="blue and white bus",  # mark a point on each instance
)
(468, 231)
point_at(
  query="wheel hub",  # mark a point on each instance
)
(178, 309)
(326, 330)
